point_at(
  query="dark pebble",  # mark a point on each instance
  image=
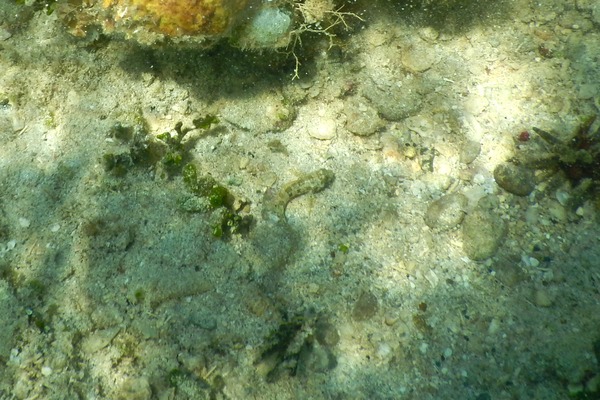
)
(365, 307)
(515, 179)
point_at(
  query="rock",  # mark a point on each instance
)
(483, 232)
(469, 151)
(323, 128)
(508, 271)
(394, 101)
(446, 212)
(515, 179)
(267, 112)
(365, 307)
(556, 211)
(419, 57)
(361, 118)
(99, 340)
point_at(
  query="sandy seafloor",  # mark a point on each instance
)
(109, 289)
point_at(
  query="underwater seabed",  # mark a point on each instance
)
(386, 199)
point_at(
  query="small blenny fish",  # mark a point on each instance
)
(274, 205)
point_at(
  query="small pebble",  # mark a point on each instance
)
(391, 318)
(98, 340)
(365, 307)
(556, 211)
(563, 197)
(428, 34)
(446, 212)
(395, 102)
(515, 179)
(5, 34)
(469, 151)
(384, 350)
(447, 352)
(534, 262)
(323, 129)
(420, 57)
(361, 118)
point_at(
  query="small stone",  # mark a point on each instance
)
(99, 340)
(396, 101)
(563, 197)
(556, 211)
(244, 161)
(391, 318)
(483, 232)
(470, 151)
(508, 271)
(534, 262)
(323, 129)
(5, 34)
(420, 57)
(46, 370)
(428, 34)
(24, 222)
(446, 212)
(515, 179)
(447, 352)
(361, 118)
(384, 350)
(365, 307)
